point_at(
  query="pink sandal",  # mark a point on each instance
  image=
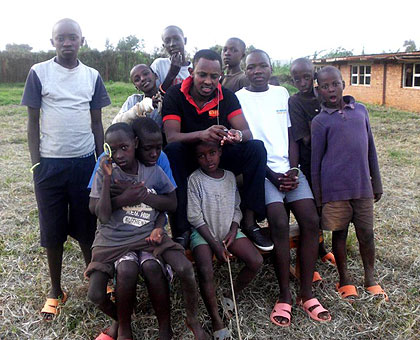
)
(283, 310)
(313, 314)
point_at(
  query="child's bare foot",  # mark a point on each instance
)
(196, 329)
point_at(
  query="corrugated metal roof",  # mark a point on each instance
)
(371, 57)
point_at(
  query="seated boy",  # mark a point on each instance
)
(303, 107)
(173, 70)
(345, 176)
(131, 227)
(233, 52)
(266, 110)
(146, 104)
(214, 212)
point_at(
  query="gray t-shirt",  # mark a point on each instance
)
(161, 67)
(213, 201)
(132, 223)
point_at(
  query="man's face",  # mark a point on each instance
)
(67, 39)
(173, 41)
(258, 71)
(206, 76)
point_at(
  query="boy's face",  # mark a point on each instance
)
(150, 147)
(330, 88)
(123, 148)
(258, 71)
(173, 41)
(208, 157)
(303, 77)
(143, 79)
(67, 39)
(232, 53)
(206, 76)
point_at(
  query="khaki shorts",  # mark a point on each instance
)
(337, 215)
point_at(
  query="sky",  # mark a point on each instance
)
(284, 29)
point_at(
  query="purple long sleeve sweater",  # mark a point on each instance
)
(344, 163)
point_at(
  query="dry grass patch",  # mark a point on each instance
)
(24, 279)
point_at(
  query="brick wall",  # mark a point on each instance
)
(396, 96)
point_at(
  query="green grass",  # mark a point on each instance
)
(11, 94)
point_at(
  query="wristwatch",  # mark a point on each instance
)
(240, 135)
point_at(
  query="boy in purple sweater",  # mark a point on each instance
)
(345, 176)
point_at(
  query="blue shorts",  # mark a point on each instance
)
(273, 195)
(63, 200)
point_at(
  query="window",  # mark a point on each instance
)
(360, 75)
(411, 75)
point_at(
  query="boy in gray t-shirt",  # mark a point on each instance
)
(131, 224)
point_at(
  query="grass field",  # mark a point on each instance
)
(24, 279)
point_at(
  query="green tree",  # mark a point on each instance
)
(410, 45)
(130, 43)
(337, 52)
(217, 48)
(18, 48)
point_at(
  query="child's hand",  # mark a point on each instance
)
(119, 187)
(289, 181)
(106, 165)
(155, 237)
(231, 235)
(176, 60)
(377, 197)
(222, 254)
(135, 194)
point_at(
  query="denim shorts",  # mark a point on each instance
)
(63, 200)
(273, 195)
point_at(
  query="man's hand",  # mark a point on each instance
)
(233, 136)
(155, 237)
(377, 197)
(214, 133)
(106, 165)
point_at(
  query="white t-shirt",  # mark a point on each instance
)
(65, 98)
(161, 67)
(267, 114)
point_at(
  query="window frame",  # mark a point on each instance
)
(414, 76)
(359, 75)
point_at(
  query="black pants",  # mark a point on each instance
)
(248, 159)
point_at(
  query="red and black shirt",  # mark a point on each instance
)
(179, 105)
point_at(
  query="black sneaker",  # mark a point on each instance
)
(255, 234)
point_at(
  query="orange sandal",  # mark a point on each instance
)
(376, 291)
(329, 257)
(52, 307)
(347, 291)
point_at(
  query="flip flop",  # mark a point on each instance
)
(313, 314)
(228, 307)
(316, 277)
(377, 290)
(283, 310)
(222, 334)
(52, 307)
(346, 291)
(329, 257)
(104, 336)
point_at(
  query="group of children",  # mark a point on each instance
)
(319, 161)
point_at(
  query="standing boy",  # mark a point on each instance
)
(303, 107)
(232, 54)
(173, 70)
(266, 110)
(64, 99)
(345, 176)
(200, 109)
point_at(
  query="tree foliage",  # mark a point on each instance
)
(410, 45)
(18, 48)
(130, 43)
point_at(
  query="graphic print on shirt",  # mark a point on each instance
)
(138, 215)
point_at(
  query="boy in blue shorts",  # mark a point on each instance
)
(266, 109)
(345, 177)
(64, 99)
